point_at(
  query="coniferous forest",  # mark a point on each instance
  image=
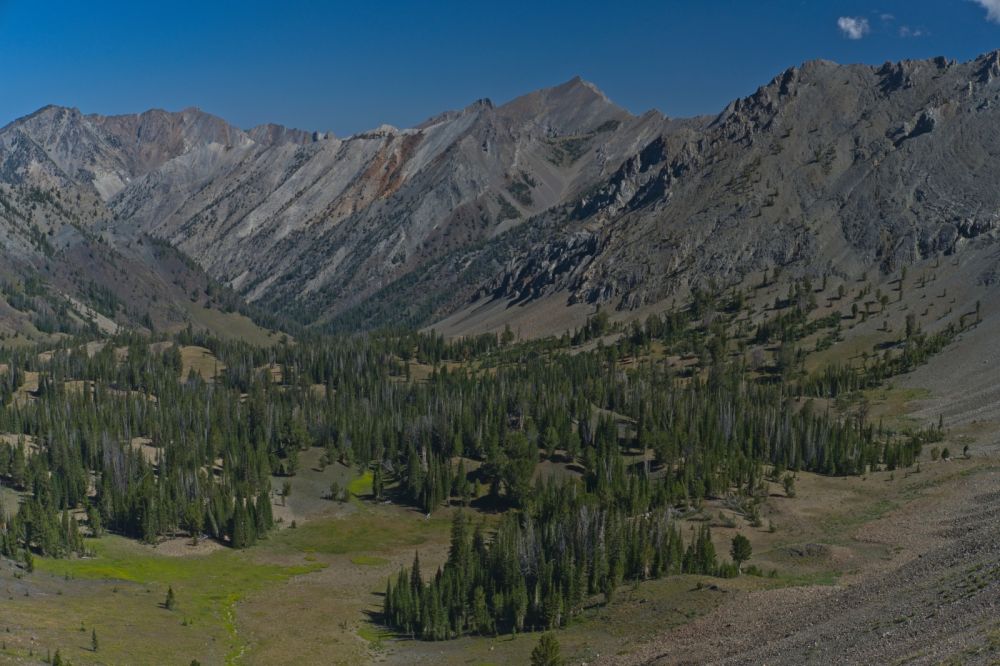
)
(651, 418)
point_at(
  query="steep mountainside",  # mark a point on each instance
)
(328, 224)
(558, 197)
(827, 169)
(62, 268)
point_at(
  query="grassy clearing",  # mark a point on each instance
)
(849, 350)
(232, 326)
(121, 559)
(840, 523)
(28, 387)
(369, 561)
(9, 502)
(891, 405)
(201, 361)
(232, 606)
(361, 548)
(805, 579)
(127, 584)
(361, 486)
(374, 634)
(371, 529)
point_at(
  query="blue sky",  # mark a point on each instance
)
(346, 67)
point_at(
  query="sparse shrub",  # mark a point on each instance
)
(788, 483)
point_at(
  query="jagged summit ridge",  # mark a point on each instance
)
(558, 193)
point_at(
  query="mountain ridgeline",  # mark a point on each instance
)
(558, 197)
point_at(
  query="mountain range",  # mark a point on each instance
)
(532, 213)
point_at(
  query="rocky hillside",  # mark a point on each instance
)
(63, 268)
(323, 226)
(827, 169)
(559, 197)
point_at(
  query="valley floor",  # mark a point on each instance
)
(891, 566)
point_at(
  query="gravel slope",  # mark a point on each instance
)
(935, 599)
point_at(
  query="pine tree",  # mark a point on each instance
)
(378, 483)
(240, 531)
(546, 652)
(740, 550)
(416, 579)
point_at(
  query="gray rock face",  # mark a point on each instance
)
(58, 170)
(108, 152)
(325, 224)
(826, 169)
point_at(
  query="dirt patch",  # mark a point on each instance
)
(185, 546)
(144, 445)
(30, 442)
(808, 551)
(26, 392)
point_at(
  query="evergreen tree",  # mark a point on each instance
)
(546, 652)
(740, 550)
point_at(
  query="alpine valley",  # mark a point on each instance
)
(539, 381)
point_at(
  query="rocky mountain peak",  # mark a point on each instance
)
(579, 83)
(988, 66)
(573, 107)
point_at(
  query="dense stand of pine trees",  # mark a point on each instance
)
(540, 568)
(82, 421)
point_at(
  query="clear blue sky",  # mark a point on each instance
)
(346, 67)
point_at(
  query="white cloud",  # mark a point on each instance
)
(887, 18)
(857, 27)
(906, 31)
(992, 8)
